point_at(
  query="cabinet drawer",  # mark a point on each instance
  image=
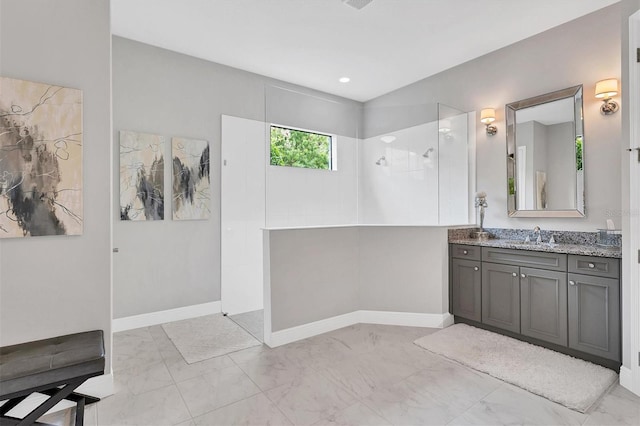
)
(460, 251)
(529, 259)
(598, 266)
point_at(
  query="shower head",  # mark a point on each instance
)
(428, 152)
(382, 161)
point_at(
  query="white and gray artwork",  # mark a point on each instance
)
(141, 176)
(191, 179)
(40, 159)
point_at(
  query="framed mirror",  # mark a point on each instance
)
(545, 168)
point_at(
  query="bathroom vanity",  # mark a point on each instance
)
(563, 296)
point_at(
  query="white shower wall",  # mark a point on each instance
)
(411, 188)
(405, 189)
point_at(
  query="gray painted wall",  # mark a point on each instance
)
(404, 269)
(313, 274)
(321, 273)
(582, 51)
(59, 285)
(166, 264)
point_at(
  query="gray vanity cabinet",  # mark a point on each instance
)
(594, 315)
(465, 288)
(501, 296)
(571, 302)
(543, 304)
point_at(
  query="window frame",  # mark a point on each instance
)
(333, 164)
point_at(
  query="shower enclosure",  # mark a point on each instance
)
(384, 166)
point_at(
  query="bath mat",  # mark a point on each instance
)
(207, 337)
(569, 381)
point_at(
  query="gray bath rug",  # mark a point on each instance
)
(207, 337)
(569, 381)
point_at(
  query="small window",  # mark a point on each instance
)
(300, 148)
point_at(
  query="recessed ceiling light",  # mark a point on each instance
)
(344, 79)
(388, 138)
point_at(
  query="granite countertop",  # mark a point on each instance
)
(580, 249)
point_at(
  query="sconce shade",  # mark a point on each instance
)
(487, 115)
(607, 88)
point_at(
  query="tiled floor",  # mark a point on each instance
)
(359, 375)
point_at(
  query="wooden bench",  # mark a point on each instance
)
(53, 367)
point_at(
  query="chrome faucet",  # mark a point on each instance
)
(536, 230)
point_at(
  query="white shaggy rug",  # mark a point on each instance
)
(206, 337)
(569, 381)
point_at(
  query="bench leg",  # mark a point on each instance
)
(12, 403)
(75, 396)
(59, 395)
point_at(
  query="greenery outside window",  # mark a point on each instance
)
(301, 148)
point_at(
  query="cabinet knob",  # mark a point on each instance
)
(475, 268)
(465, 252)
(515, 274)
(572, 283)
(591, 265)
(523, 276)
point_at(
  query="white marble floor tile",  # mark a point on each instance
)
(362, 338)
(134, 348)
(455, 385)
(510, 405)
(206, 337)
(309, 398)
(367, 372)
(142, 378)
(318, 351)
(255, 410)
(407, 404)
(216, 389)
(157, 407)
(181, 371)
(355, 415)
(272, 369)
(618, 407)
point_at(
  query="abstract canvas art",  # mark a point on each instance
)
(141, 176)
(191, 182)
(40, 159)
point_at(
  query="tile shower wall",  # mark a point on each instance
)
(404, 188)
(424, 177)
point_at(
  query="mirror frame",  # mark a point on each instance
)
(574, 92)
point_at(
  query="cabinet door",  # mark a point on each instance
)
(501, 296)
(594, 315)
(465, 288)
(543, 304)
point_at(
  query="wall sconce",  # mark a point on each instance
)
(605, 90)
(488, 116)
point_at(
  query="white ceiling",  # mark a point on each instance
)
(385, 46)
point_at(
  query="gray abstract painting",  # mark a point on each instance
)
(191, 182)
(141, 176)
(40, 159)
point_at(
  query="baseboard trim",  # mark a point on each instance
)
(626, 378)
(293, 334)
(409, 319)
(99, 386)
(161, 317)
